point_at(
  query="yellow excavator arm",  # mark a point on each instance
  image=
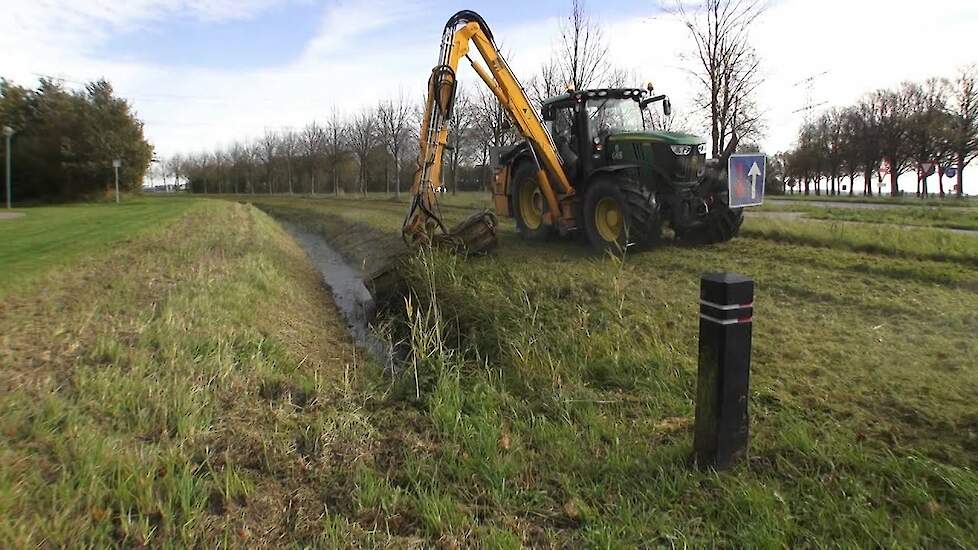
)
(423, 223)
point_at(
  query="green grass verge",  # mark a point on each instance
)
(189, 387)
(910, 200)
(951, 218)
(49, 236)
(551, 393)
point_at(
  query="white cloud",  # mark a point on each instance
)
(354, 61)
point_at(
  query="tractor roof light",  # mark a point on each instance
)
(681, 150)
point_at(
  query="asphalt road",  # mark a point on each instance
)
(844, 204)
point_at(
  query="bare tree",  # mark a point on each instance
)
(313, 147)
(289, 145)
(579, 61)
(363, 131)
(582, 55)
(459, 131)
(727, 68)
(894, 126)
(491, 127)
(336, 138)
(267, 149)
(394, 118)
(926, 124)
(864, 129)
(963, 131)
(236, 156)
(546, 84)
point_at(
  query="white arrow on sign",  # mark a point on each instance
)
(753, 173)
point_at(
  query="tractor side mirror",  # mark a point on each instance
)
(666, 107)
(645, 102)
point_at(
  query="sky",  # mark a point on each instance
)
(203, 73)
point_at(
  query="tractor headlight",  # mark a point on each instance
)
(681, 150)
(701, 148)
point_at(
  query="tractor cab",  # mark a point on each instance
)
(590, 127)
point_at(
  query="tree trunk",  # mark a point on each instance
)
(852, 183)
(894, 186)
(455, 170)
(397, 174)
(312, 181)
(959, 175)
(940, 181)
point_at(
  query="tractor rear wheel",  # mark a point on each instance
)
(529, 204)
(620, 213)
(721, 224)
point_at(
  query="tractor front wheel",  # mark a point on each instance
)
(620, 213)
(721, 224)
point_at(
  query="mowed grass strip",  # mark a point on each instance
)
(950, 201)
(951, 218)
(557, 387)
(49, 236)
(192, 387)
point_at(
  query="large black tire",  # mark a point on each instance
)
(722, 224)
(620, 214)
(529, 204)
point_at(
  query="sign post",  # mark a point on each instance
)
(745, 179)
(116, 164)
(8, 133)
(722, 427)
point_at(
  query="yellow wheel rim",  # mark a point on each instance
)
(531, 204)
(608, 219)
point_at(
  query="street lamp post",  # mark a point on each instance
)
(116, 164)
(8, 132)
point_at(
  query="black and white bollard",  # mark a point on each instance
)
(726, 314)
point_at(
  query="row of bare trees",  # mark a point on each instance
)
(373, 149)
(918, 125)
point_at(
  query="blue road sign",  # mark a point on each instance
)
(950, 172)
(745, 179)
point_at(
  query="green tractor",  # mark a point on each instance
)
(629, 181)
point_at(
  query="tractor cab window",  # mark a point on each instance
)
(563, 134)
(613, 115)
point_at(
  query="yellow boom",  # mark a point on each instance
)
(477, 234)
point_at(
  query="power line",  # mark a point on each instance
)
(810, 104)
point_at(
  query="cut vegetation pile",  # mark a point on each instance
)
(195, 387)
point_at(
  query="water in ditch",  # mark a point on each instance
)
(349, 292)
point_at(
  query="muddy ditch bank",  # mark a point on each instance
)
(358, 264)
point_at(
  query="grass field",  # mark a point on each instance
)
(194, 387)
(170, 389)
(50, 236)
(552, 390)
